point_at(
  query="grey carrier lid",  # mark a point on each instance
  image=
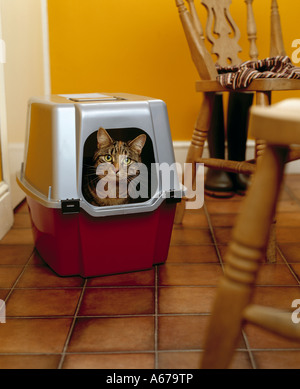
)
(58, 127)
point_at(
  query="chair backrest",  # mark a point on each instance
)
(195, 38)
(223, 34)
(276, 42)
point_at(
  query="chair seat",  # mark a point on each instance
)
(278, 123)
(258, 85)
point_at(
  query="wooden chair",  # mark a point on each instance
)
(226, 48)
(279, 125)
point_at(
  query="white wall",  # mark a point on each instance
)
(6, 214)
(25, 72)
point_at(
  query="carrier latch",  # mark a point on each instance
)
(70, 206)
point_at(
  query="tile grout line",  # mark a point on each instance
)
(111, 316)
(72, 326)
(249, 351)
(213, 236)
(13, 287)
(187, 350)
(288, 265)
(291, 194)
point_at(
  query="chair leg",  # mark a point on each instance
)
(264, 98)
(197, 144)
(237, 132)
(271, 254)
(217, 182)
(250, 238)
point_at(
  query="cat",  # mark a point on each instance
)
(113, 163)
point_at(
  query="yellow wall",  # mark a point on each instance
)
(138, 46)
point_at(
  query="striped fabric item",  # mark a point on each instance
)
(240, 76)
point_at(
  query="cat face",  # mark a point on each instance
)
(115, 165)
(119, 157)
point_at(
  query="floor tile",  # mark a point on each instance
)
(191, 274)
(18, 236)
(15, 254)
(113, 334)
(190, 254)
(223, 207)
(194, 219)
(296, 268)
(29, 361)
(192, 360)
(34, 335)
(141, 278)
(223, 235)
(117, 301)
(191, 236)
(36, 259)
(287, 234)
(183, 332)
(288, 206)
(291, 252)
(285, 194)
(277, 359)
(42, 276)
(8, 275)
(179, 360)
(259, 338)
(185, 299)
(276, 296)
(275, 274)
(288, 219)
(109, 361)
(40, 302)
(223, 219)
(22, 208)
(21, 220)
(4, 293)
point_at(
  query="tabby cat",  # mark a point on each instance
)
(113, 165)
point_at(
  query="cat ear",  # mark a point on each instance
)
(138, 143)
(103, 138)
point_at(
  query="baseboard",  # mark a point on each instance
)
(181, 149)
(15, 158)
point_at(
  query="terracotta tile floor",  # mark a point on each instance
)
(149, 319)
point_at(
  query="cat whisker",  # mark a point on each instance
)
(90, 174)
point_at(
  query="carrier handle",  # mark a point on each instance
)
(84, 99)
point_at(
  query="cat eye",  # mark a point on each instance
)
(127, 161)
(108, 158)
